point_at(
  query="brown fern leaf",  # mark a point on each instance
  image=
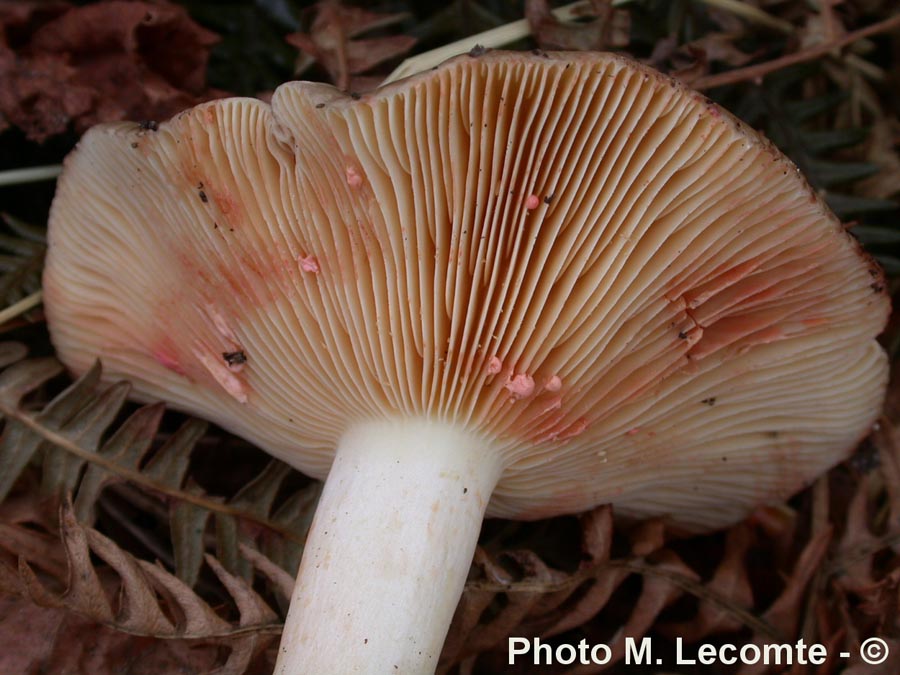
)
(137, 597)
(334, 40)
(22, 249)
(84, 449)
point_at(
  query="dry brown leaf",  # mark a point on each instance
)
(282, 582)
(194, 617)
(891, 665)
(887, 440)
(880, 601)
(647, 537)
(138, 608)
(730, 580)
(857, 538)
(31, 544)
(57, 642)
(609, 28)
(98, 63)
(784, 613)
(690, 61)
(884, 151)
(333, 40)
(148, 598)
(84, 589)
(657, 592)
(253, 612)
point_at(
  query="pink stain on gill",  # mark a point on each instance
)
(225, 202)
(309, 264)
(577, 428)
(494, 366)
(560, 430)
(354, 179)
(700, 294)
(521, 385)
(759, 326)
(168, 361)
(553, 384)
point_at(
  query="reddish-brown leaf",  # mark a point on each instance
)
(333, 40)
(609, 27)
(36, 639)
(98, 63)
(730, 581)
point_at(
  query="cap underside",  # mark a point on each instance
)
(627, 294)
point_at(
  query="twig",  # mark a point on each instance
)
(20, 307)
(30, 175)
(761, 69)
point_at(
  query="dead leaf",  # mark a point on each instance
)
(730, 581)
(607, 27)
(99, 63)
(884, 151)
(333, 40)
(891, 665)
(253, 611)
(36, 640)
(691, 61)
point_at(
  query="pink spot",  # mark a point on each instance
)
(168, 361)
(553, 384)
(576, 429)
(521, 385)
(308, 264)
(632, 432)
(224, 201)
(353, 177)
(494, 366)
(532, 202)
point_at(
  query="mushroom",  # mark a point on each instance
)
(515, 286)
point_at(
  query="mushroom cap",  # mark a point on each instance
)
(610, 280)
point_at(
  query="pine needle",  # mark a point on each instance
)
(34, 174)
(18, 308)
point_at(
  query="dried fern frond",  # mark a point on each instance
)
(22, 248)
(628, 583)
(142, 598)
(83, 447)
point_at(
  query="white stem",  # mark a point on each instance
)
(388, 551)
